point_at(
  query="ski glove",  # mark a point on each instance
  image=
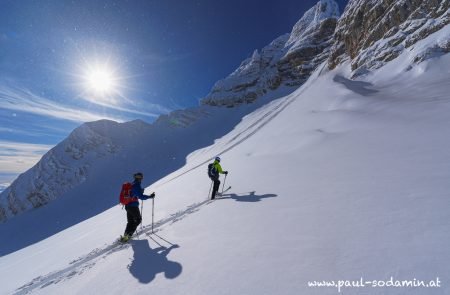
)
(225, 172)
(152, 195)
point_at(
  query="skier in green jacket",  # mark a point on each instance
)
(217, 169)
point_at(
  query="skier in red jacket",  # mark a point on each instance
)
(133, 214)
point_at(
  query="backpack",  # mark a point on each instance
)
(212, 171)
(125, 194)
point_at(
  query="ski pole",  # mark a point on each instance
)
(142, 214)
(153, 212)
(209, 193)
(224, 182)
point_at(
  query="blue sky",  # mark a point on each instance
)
(159, 55)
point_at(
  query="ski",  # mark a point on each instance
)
(224, 191)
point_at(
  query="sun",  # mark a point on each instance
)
(100, 79)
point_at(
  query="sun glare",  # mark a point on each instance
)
(100, 80)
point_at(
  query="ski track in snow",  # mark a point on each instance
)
(84, 263)
(251, 130)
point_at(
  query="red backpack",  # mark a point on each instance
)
(125, 194)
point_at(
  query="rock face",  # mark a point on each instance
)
(288, 60)
(373, 32)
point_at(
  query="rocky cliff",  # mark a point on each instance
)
(287, 61)
(373, 32)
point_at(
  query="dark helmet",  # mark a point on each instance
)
(218, 159)
(138, 175)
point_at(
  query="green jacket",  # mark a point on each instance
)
(218, 167)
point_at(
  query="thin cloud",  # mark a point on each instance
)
(117, 107)
(35, 131)
(16, 157)
(20, 99)
(4, 129)
(23, 100)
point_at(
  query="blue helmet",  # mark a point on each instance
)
(218, 159)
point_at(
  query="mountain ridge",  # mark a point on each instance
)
(287, 61)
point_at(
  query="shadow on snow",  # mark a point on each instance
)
(360, 87)
(251, 197)
(148, 262)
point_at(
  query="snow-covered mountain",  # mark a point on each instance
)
(287, 61)
(350, 188)
(276, 70)
(61, 169)
(372, 33)
(338, 180)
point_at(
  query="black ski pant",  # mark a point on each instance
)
(134, 219)
(215, 187)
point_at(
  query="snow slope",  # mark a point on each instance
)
(339, 180)
(156, 150)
